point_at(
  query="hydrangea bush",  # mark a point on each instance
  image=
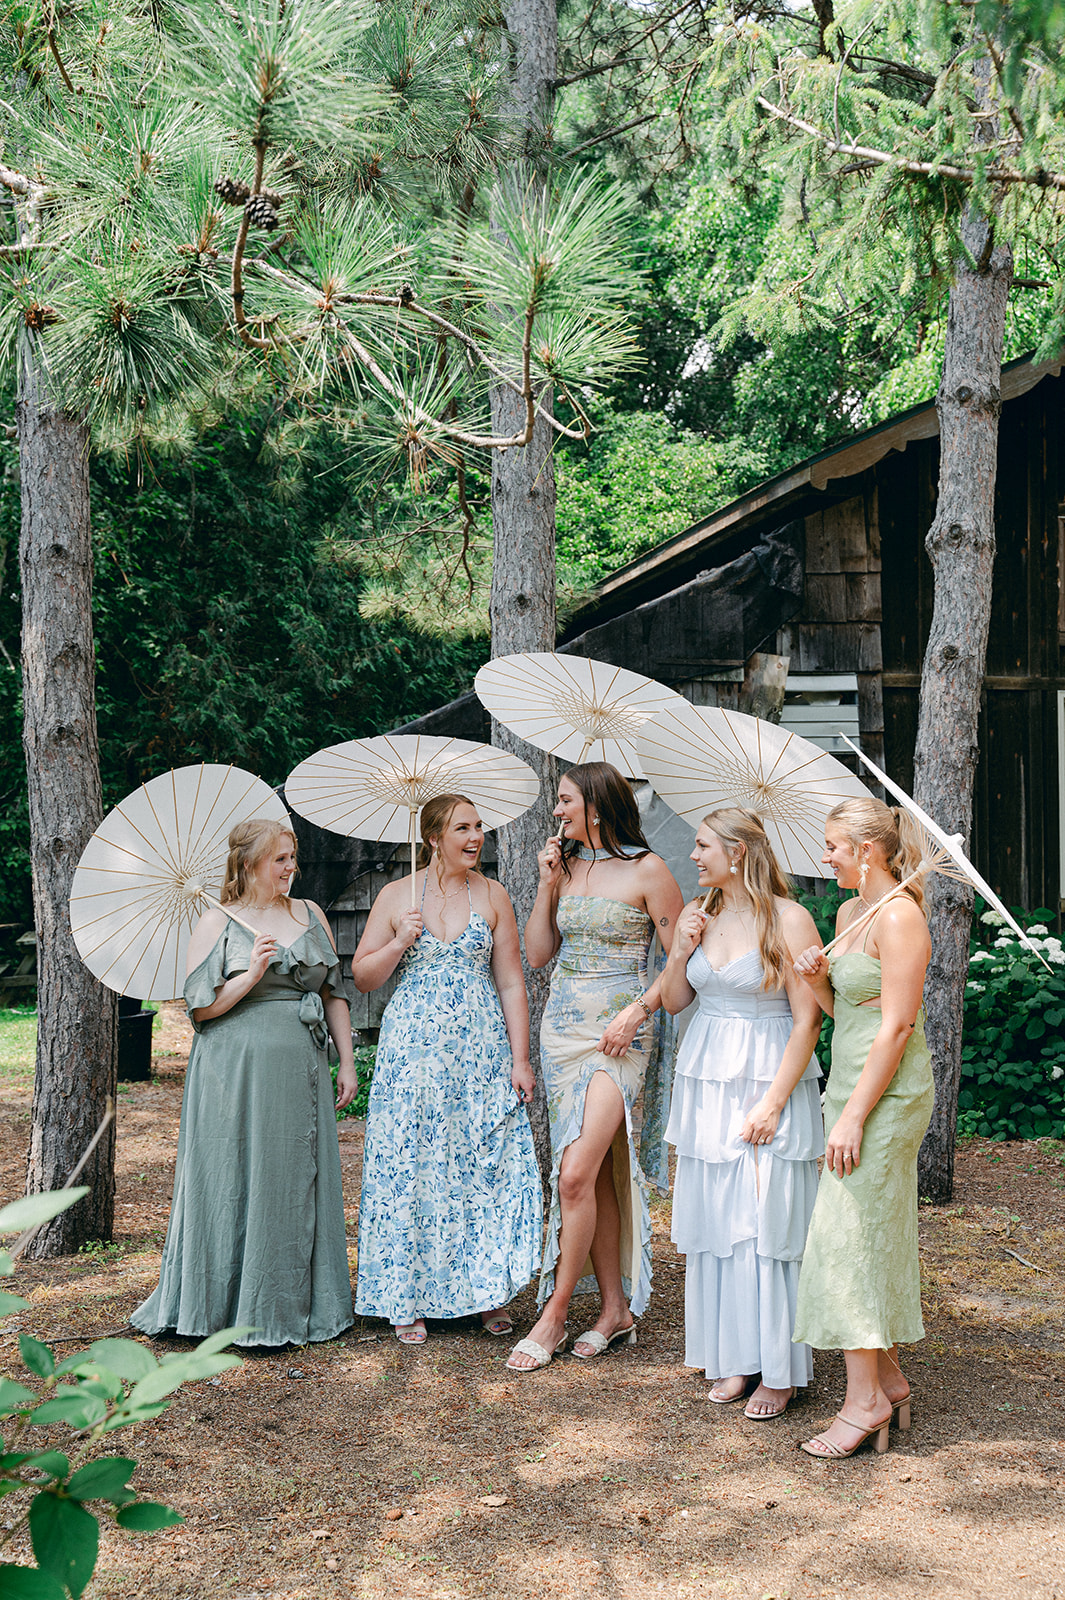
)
(1013, 1050)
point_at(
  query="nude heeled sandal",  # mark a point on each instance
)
(835, 1452)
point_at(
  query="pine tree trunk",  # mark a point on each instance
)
(961, 547)
(523, 523)
(76, 1065)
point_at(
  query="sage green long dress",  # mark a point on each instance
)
(256, 1235)
(860, 1284)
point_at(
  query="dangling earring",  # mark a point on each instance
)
(734, 868)
(595, 822)
(863, 873)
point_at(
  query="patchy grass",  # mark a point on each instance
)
(362, 1470)
(18, 1041)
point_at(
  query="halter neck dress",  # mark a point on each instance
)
(451, 1212)
(860, 1286)
(256, 1235)
(740, 1211)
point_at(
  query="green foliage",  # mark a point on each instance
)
(365, 1057)
(823, 908)
(116, 1384)
(639, 481)
(1013, 1055)
(868, 118)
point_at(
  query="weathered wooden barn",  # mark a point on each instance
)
(825, 565)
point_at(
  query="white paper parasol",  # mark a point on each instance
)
(150, 868)
(941, 852)
(700, 758)
(574, 708)
(375, 788)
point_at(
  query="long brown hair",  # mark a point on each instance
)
(889, 826)
(763, 880)
(250, 843)
(609, 796)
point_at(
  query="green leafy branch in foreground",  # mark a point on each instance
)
(114, 1384)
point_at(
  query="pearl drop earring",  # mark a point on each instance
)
(734, 869)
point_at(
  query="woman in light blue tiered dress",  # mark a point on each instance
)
(451, 1213)
(746, 1117)
(601, 898)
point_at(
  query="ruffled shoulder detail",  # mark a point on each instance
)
(312, 948)
(202, 981)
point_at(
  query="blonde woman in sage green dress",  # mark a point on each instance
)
(256, 1236)
(860, 1288)
(602, 896)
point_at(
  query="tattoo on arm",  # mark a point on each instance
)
(663, 922)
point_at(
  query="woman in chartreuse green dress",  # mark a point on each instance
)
(860, 1288)
(256, 1236)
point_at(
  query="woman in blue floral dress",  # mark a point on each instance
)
(451, 1212)
(602, 896)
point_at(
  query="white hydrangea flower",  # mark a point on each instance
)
(972, 987)
(1037, 931)
(1004, 942)
(1053, 943)
(1056, 958)
(1058, 1072)
(993, 919)
(981, 955)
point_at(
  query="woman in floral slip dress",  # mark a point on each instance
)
(602, 896)
(451, 1212)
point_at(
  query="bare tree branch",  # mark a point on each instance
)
(934, 169)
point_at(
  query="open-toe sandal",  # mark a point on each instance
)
(836, 1452)
(410, 1332)
(601, 1343)
(498, 1325)
(749, 1385)
(767, 1416)
(541, 1356)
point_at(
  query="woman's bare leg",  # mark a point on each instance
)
(892, 1380)
(865, 1404)
(606, 1255)
(582, 1161)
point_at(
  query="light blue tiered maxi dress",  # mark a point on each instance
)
(452, 1209)
(740, 1211)
(256, 1235)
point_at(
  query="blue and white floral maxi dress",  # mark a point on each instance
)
(451, 1212)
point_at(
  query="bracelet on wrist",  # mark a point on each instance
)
(647, 1011)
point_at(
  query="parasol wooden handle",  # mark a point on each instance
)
(892, 894)
(196, 891)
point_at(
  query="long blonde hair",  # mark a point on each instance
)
(250, 843)
(763, 880)
(889, 826)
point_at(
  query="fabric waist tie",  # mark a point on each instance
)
(311, 1013)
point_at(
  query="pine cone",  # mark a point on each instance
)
(232, 191)
(260, 213)
(273, 197)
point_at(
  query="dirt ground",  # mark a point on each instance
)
(363, 1468)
